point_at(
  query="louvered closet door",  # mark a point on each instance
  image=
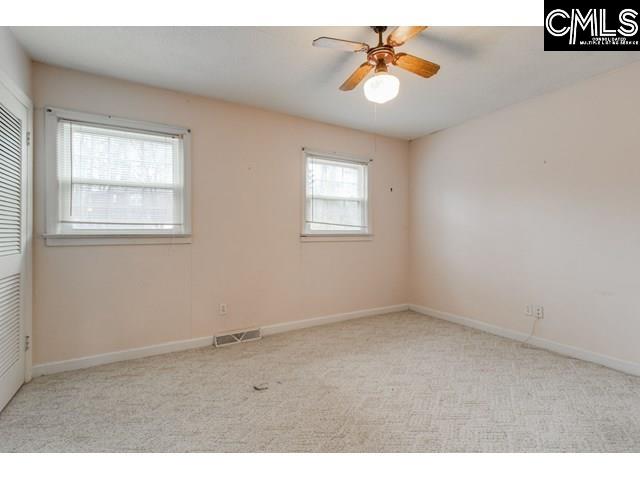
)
(13, 205)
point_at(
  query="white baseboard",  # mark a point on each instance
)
(111, 357)
(561, 348)
(339, 317)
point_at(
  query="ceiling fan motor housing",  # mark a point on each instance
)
(381, 56)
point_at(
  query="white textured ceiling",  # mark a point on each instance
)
(482, 69)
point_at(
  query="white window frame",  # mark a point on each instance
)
(335, 235)
(55, 235)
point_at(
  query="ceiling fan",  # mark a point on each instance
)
(383, 86)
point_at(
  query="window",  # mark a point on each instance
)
(336, 196)
(111, 177)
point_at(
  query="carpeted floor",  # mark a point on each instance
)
(398, 382)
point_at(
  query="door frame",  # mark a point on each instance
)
(24, 99)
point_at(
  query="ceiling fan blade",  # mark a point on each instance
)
(356, 77)
(338, 44)
(416, 65)
(402, 35)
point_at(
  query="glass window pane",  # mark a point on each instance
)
(336, 193)
(111, 178)
(128, 205)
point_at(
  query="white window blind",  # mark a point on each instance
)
(118, 180)
(336, 200)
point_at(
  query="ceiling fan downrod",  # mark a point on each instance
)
(379, 31)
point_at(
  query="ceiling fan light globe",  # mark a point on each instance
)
(381, 88)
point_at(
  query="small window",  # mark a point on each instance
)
(336, 196)
(115, 177)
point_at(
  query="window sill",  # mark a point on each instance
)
(62, 240)
(323, 237)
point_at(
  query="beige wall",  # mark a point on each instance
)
(537, 203)
(14, 62)
(246, 250)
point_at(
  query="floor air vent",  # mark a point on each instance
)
(236, 337)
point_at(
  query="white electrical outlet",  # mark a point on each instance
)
(536, 311)
(222, 309)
